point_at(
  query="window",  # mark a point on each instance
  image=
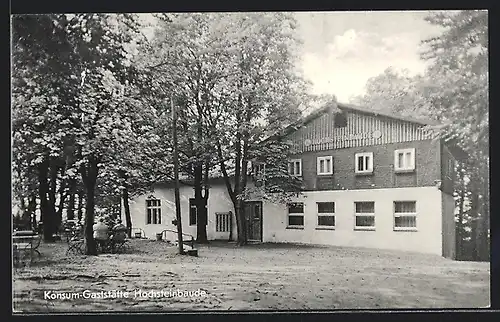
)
(325, 165)
(295, 167)
(153, 211)
(340, 120)
(222, 221)
(296, 214)
(451, 167)
(405, 215)
(259, 169)
(326, 214)
(193, 212)
(365, 215)
(364, 162)
(404, 160)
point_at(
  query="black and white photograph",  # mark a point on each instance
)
(250, 161)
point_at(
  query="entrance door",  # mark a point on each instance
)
(253, 216)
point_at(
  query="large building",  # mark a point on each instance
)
(370, 179)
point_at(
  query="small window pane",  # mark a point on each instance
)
(148, 203)
(360, 163)
(408, 160)
(367, 163)
(148, 219)
(294, 220)
(297, 167)
(326, 220)
(400, 160)
(321, 166)
(365, 221)
(405, 207)
(296, 208)
(326, 207)
(328, 165)
(365, 207)
(405, 221)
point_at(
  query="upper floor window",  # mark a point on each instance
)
(153, 211)
(364, 162)
(325, 165)
(404, 159)
(340, 120)
(295, 167)
(405, 215)
(259, 169)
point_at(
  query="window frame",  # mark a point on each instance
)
(318, 162)
(405, 167)
(370, 163)
(297, 214)
(155, 220)
(404, 214)
(365, 214)
(294, 161)
(325, 214)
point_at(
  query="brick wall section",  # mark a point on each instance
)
(427, 167)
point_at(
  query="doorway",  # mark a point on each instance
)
(253, 217)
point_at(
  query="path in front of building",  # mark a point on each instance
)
(255, 277)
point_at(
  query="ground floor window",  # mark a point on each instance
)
(296, 214)
(326, 214)
(153, 211)
(365, 215)
(222, 221)
(405, 215)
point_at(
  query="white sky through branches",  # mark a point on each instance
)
(342, 50)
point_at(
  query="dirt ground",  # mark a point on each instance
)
(254, 277)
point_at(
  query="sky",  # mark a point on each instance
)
(342, 50)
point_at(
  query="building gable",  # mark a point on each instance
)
(325, 132)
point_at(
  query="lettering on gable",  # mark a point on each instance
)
(349, 137)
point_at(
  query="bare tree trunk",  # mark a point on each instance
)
(201, 205)
(89, 176)
(47, 216)
(126, 206)
(176, 177)
(52, 193)
(80, 205)
(62, 196)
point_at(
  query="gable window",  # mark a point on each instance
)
(325, 165)
(364, 162)
(153, 211)
(193, 212)
(405, 215)
(326, 214)
(404, 159)
(295, 167)
(365, 215)
(340, 120)
(295, 215)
